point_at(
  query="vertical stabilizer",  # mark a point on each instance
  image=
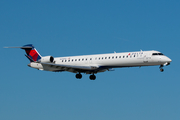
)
(32, 53)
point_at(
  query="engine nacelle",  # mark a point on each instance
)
(47, 59)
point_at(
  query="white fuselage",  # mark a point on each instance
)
(107, 61)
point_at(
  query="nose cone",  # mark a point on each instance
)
(169, 60)
(165, 59)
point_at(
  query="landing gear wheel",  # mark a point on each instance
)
(161, 70)
(78, 76)
(92, 77)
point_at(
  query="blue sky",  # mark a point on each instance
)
(65, 28)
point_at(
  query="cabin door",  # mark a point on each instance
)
(147, 58)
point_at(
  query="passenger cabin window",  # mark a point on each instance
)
(157, 54)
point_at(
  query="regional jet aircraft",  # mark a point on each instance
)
(92, 64)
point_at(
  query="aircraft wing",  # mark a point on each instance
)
(71, 68)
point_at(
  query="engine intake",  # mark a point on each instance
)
(47, 59)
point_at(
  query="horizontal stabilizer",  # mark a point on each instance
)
(24, 47)
(31, 53)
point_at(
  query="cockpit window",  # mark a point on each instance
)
(161, 54)
(157, 54)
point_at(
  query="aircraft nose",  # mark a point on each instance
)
(165, 59)
(169, 60)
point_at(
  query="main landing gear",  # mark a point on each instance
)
(78, 76)
(91, 77)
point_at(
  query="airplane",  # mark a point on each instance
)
(93, 64)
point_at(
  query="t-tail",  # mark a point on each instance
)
(31, 52)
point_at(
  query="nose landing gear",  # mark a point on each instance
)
(161, 68)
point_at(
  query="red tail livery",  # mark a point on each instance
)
(32, 53)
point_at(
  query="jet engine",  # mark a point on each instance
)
(47, 59)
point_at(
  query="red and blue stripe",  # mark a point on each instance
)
(32, 52)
